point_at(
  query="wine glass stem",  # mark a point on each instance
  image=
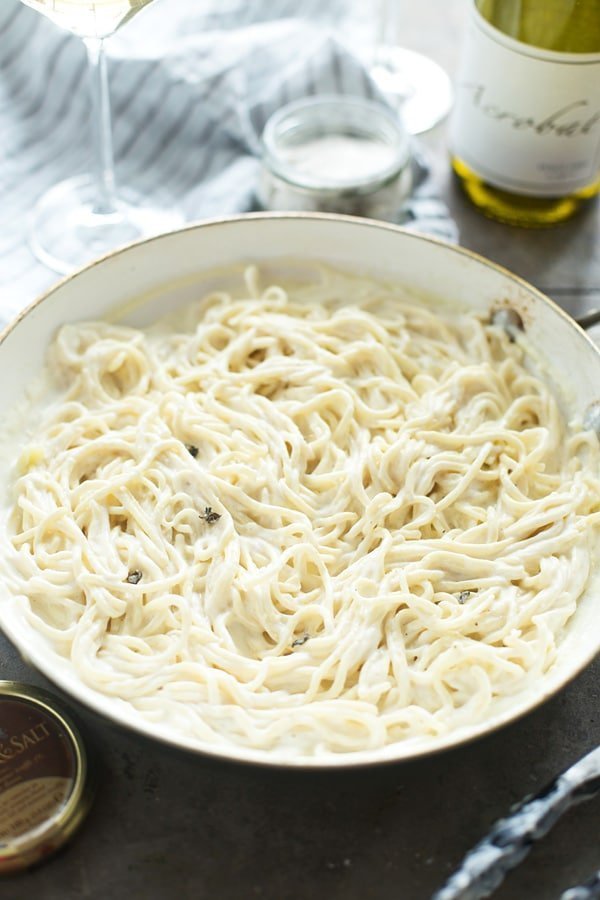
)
(101, 127)
(389, 23)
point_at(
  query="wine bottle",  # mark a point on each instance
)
(525, 137)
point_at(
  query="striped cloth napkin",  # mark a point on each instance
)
(192, 85)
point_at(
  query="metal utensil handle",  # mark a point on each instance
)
(510, 839)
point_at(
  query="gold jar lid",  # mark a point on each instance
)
(44, 784)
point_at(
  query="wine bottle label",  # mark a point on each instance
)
(526, 120)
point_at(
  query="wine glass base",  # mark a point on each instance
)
(66, 232)
(418, 86)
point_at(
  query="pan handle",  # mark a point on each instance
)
(591, 318)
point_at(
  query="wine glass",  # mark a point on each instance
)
(84, 217)
(418, 85)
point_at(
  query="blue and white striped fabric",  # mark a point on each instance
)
(192, 84)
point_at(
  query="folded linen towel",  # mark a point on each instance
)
(192, 86)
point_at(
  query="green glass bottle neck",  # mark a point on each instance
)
(566, 26)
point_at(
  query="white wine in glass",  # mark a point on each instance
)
(97, 18)
(84, 217)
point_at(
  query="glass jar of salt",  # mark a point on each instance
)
(335, 154)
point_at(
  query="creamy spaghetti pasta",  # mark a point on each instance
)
(321, 520)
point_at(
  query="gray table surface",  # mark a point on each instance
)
(169, 825)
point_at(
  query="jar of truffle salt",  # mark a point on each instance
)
(45, 789)
(335, 154)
